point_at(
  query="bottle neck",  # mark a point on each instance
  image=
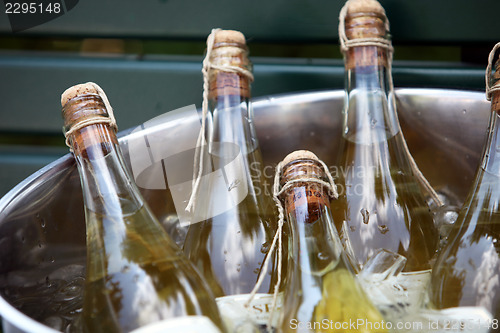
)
(369, 109)
(104, 177)
(315, 242)
(491, 155)
(231, 119)
(229, 98)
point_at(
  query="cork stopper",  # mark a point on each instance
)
(364, 34)
(229, 37)
(77, 90)
(84, 105)
(364, 6)
(231, 72)
(299, 155)
(365, 19)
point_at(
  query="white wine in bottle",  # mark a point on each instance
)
(380, 205)
(322, 293)
(135, 275)
(229, 246)
(467, 270)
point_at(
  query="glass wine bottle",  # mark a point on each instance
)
(380, 202)
(230, 244)
(322, 293)
(467, 269)
(135, 275)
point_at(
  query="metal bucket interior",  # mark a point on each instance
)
(42, 228)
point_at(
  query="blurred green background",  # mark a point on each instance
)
(147, 57)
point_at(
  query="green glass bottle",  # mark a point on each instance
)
(229, 244)
(467, 270)
(381, 204)
(135, 275)
(322, 293)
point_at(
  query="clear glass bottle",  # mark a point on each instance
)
(229, 246)
(380, 202)
(135, 273)
(322, 293)
(467, 269)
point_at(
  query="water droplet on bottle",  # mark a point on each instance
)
(322, 256)
(383, 229)
(352, 228)
(464, 111)
(497, 149)
(373, 123)
(52, 259)
(366, 215)
(125, 269)
(136, 278)
(225, 252)
(39, 244)
(256, 271)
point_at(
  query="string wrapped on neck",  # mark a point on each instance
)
(88, 88)
(346, 43)
(491, 58)
(277, 192)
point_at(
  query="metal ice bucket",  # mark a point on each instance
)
(42, 220)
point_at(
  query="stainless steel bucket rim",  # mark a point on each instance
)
(24, 322)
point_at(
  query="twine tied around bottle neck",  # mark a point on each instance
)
(95, 119)
(200, 147)
(277, 192)
(496, 87)
(346, 43)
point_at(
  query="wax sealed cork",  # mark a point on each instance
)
(229, 50)
(365, 19)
